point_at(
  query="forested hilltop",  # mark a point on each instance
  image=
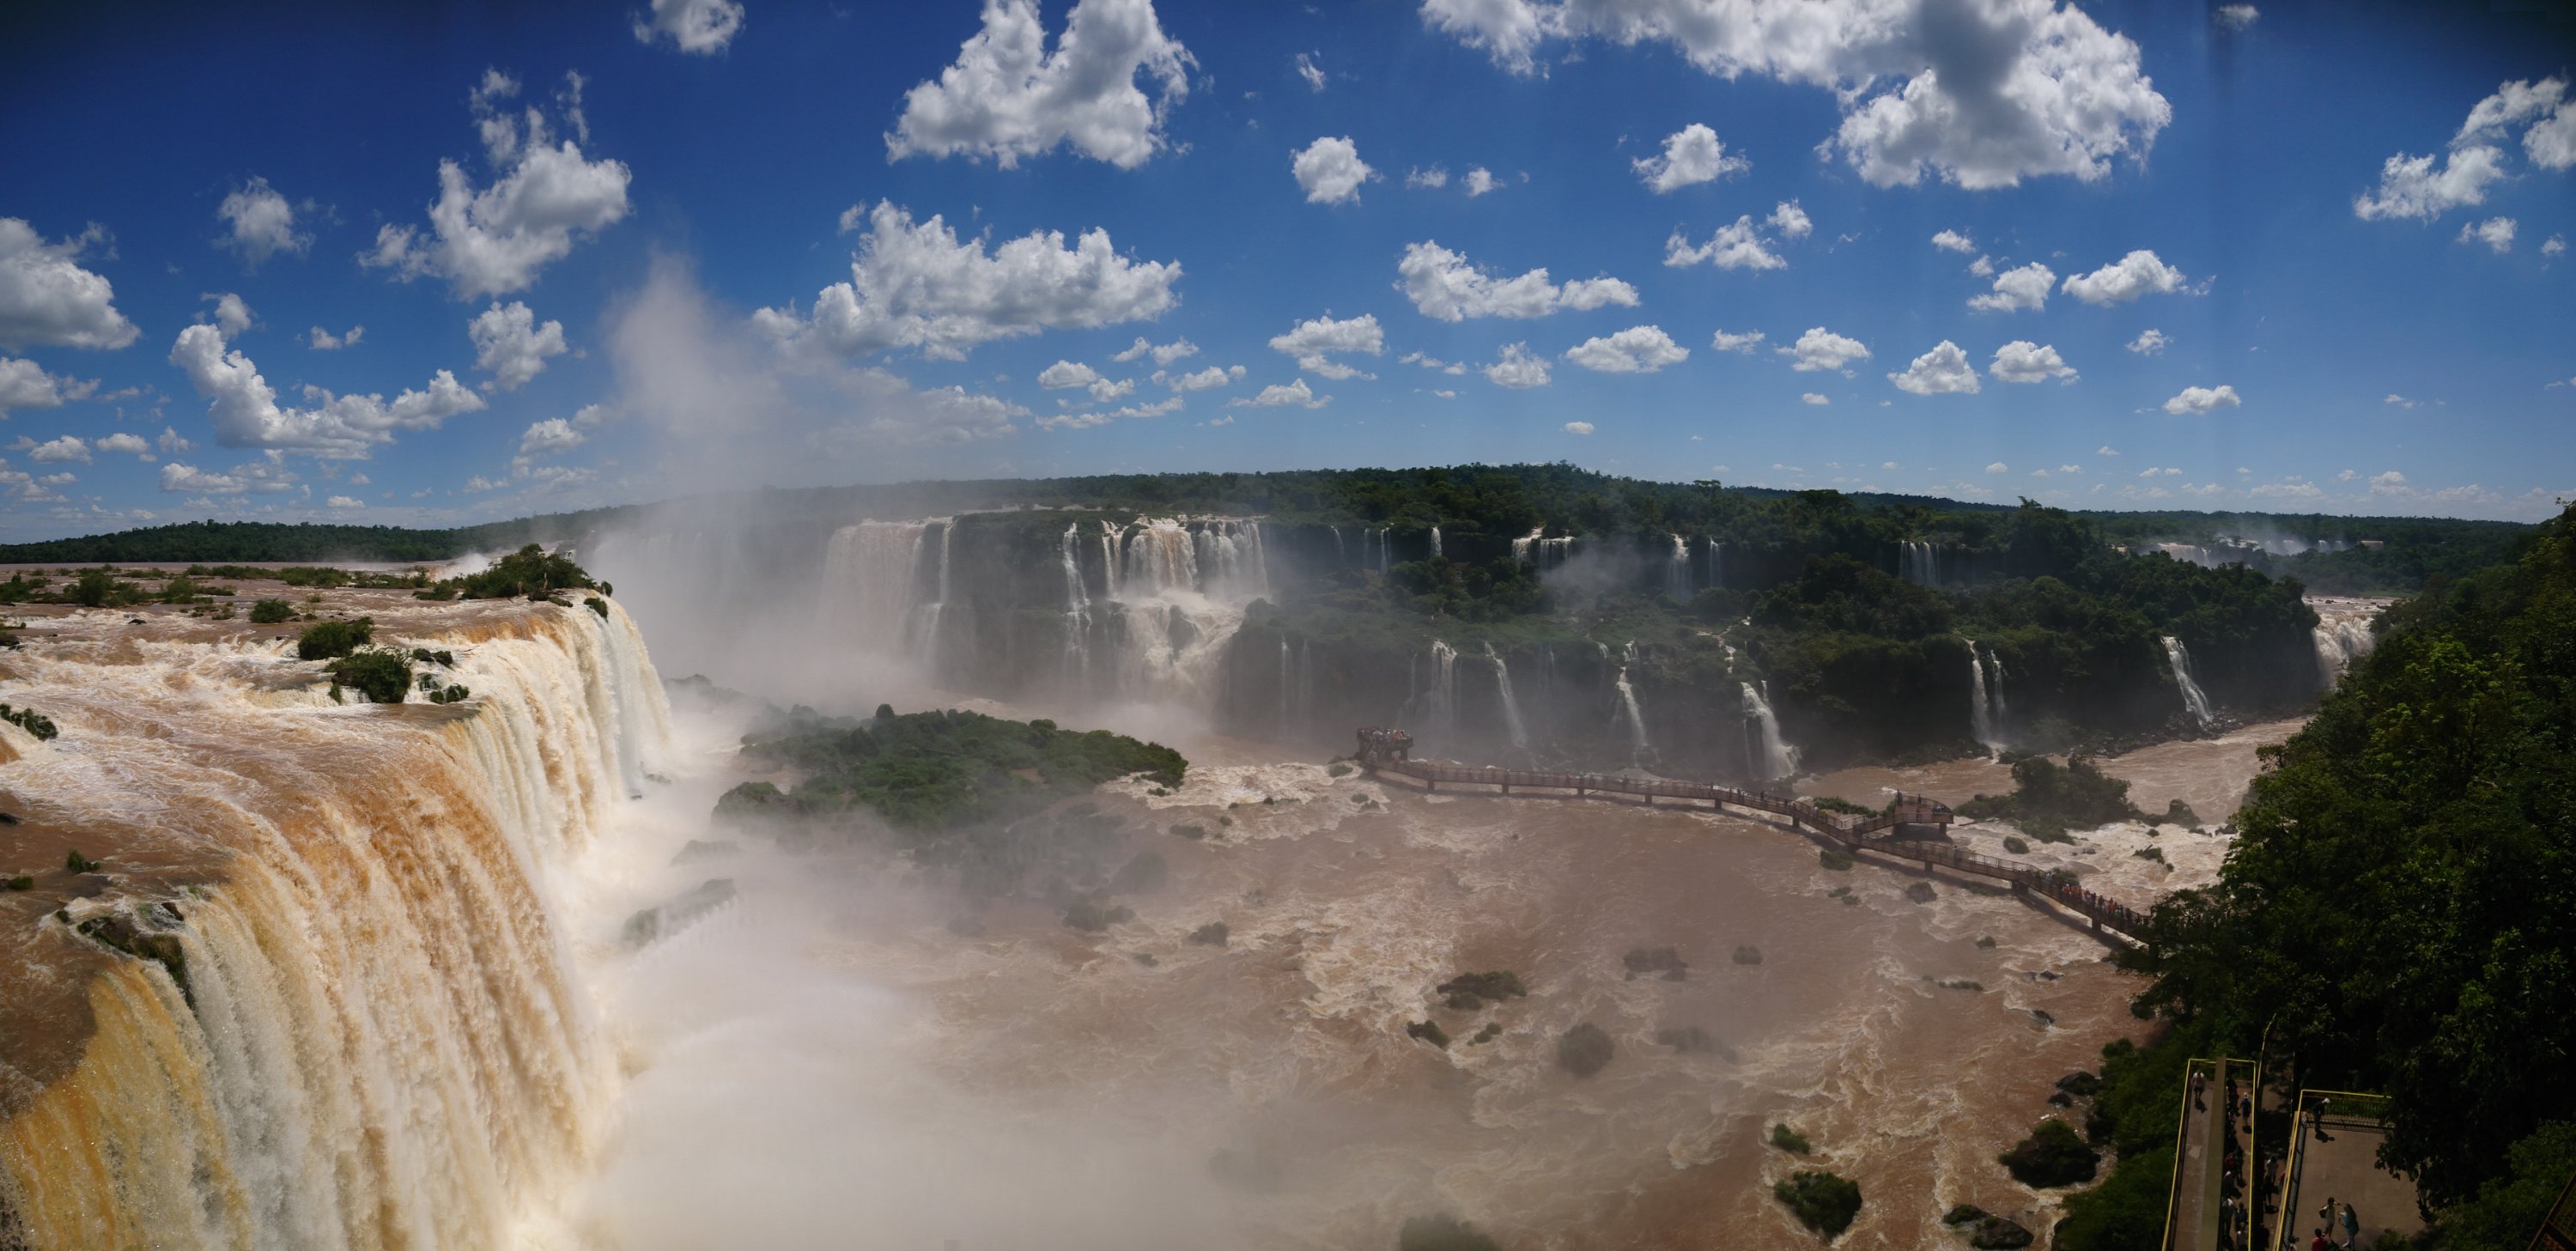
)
(2398, 915)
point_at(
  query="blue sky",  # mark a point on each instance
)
(2147, 255)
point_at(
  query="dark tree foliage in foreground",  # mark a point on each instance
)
(2400, 905)
(1823, 1201)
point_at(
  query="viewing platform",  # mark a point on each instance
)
(1911, 827)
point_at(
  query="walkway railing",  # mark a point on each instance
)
(1908, 810)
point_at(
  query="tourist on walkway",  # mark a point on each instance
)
(2351, 1227)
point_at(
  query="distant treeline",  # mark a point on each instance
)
(268, 541)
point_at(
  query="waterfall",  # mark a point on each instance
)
(2192, 699)
(2342, 636)
(1677, 579)
(1627, 714)
(1077, 612)
(1716, 564)
(1286, 715)
(1521, 546)
(1917, 562)
(1444, 695)
(1986, 700)
(1382, 562)
(1512, 723)
(1109, 532)
(1435, 542)
(1767, 755)
(1180, 597)
(382, 1039)
(871, 576)
(1341, 554)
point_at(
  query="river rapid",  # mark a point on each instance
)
(830, 1058)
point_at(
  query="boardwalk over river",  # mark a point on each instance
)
(1890, 833)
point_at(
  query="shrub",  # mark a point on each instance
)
(1790, 1140)
(79, 863)
(1492, 1031)
(597, 605)
(1584, 1050)
(1442, 1233)
(1466, 989)
(1212, 934)
(1428, 1031)
(2014, 844)
(93, 588)
(271, 611)
(382, 675)
(30, 720)
(2053, 1155)
(530, 571)
(1822, 1201)
(327, 639)
(1835, 858)
(21, 883)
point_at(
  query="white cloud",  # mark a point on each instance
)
(191, 480)
(700, 26)
(2512, 104)
(1481, 180)
(1790, 220)
(1311, 72)
(2553, 245)
(2202, 400)
(1811, 397)
(2399, 401)
(262, 223)
(2106, 450)
(1203, 379)
(2152, 471)
(1007, 96)
(245, 412)
(1735, 246)
(1314, 342)
(1445, 285)
(232, 313)
(2236, 16)
(55, 451)
(1293, 395)
(1063, 374)
(1635, 350)
(2409, 186)
(325, 341)
(1942, 371)
(2025, 287)
(173, 443)
(1980, 96)
(544, 196)
(554, 434)
(1331, 171)
(2139, 273)
(1982, 267)
(1092, 418)
(347, 501)
(1998, 467)
(2024, 361)
(1953, 241)
(1742, 344)
(1163, 354)
(1433, 178)
(920, 286)
(1694, 154)
(511, 346)
(47, 298)
(130, 444)
(25, 385)
(1578, 427)
(2287, 491)
(1517, 369)
(1820, 350)
(2150, 342)
(2495, 232)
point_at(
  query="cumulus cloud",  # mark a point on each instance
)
(1291, 395)
(67, 448)
(1742, 344)
(2202, 400)
(1331, 171)
(1735, 246)
(2236, 16)
(544, 196)
(261, 223)
(325, 341)
(1517, 368)
(1087, 419)
(1692, 155)
(2149, 342)
(1445, 285)
(1433, 178)
(1635, 350)
(24, 385)
(2427, 186)
(2026, 287)
(47, 298)
(1314, 343)
(917, 285)
(2413, 186)
(189, 479)
(232, 313)
(1007, 96)
(245, 413)
(1578, 427)
(1790, 220)
(2024, 361)
(1942, 371)
(1953, 241)
(2553, 245)
(700, 26)
(1981, 96)
(129, 444)
(1811, 397)
(1202, 380)
(1820, 350)
(552, 435)
(1481, 180)
(2139, 273)
(1998, 467)
(1163, 354)
(511, 346)
(1311, 72)
(2495, 232)
(1064, 374)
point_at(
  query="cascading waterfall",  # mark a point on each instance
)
(1986, 700)
(1716, 564)
(2192, 699)
(382, 1040)
(1918, 563)
(1440, 702)
(1521, 546)
(1627, 715)
(2342, 636)
(1677, 579)
(1435, 542)
(1077, 612)
(871, 576)
(1383, 562)
(1512, 723)
(1181, 598)
(1767, 755)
